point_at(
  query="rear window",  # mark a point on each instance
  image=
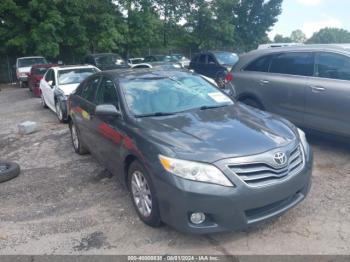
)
(40, 70)
(109, 60)
(26, 62)
(74, 76)
(298, 63)
(226, 58)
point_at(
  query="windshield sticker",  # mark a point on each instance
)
(219, 97)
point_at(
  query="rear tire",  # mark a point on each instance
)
(78, 146)
(253, 103)
(220, 80)
(8, 171)
(43, 103)
(143, 195)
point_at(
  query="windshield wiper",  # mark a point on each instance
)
(155, 114)
(211, 107)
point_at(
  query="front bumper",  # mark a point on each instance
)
(23, 78)
(229, 209)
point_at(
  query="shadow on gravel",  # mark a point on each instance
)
(328, 142)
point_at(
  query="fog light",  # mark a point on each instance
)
(197, 218)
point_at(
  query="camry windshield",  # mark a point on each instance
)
(74, 76)
(226, 58)
(171, 95)
(26, 62)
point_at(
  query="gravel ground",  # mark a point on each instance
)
(63, 203)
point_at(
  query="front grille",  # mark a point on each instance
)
(256, 214)
(263, 173)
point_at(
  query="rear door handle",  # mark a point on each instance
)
(317, 89)
(264, 82)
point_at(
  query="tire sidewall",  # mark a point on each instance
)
(71, 126)
(10, 173)
(43, 103)
(59, 105)
(220, 76)
(154, 219)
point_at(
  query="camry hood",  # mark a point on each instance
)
(215, 134)
(68, 89)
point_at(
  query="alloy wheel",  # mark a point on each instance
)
(75, 138)
(59, 111)
(3, 167)
(141, 193)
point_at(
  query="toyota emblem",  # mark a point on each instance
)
(280, 158)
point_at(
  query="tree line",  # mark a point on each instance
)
(324, 36)
(73, 28)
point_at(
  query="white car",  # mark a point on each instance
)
(135, 61)
(24, 65)
(58, 83)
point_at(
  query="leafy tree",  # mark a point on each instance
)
(297, 36)
(142, 28)
(70, 28)
(330, 36)
(253, 19)
(281, 39)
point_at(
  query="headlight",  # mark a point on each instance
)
(195, 171)
(303, 139)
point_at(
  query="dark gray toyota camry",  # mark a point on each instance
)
(190, 156)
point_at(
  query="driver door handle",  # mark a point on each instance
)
(264, 82)
(317, 89)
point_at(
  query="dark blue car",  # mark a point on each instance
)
(191, 157)
(214, 64)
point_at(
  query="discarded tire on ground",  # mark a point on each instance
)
(8, 170)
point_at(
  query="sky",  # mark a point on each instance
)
(312, 15)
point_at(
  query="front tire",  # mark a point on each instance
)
(78, 146)
(59, 112)
(143, 195)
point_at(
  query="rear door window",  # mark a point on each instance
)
(261, 64)
(334, 66)
(297, 63)
(89, 89)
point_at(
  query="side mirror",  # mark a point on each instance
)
(107, 110)
(50, 83)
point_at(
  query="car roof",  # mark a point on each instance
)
(213, 52)
(246, 58)
(29, 57)
(316, 47)
(101, 54)
(43, 65)
(72, 67)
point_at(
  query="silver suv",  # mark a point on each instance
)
(309, 85)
